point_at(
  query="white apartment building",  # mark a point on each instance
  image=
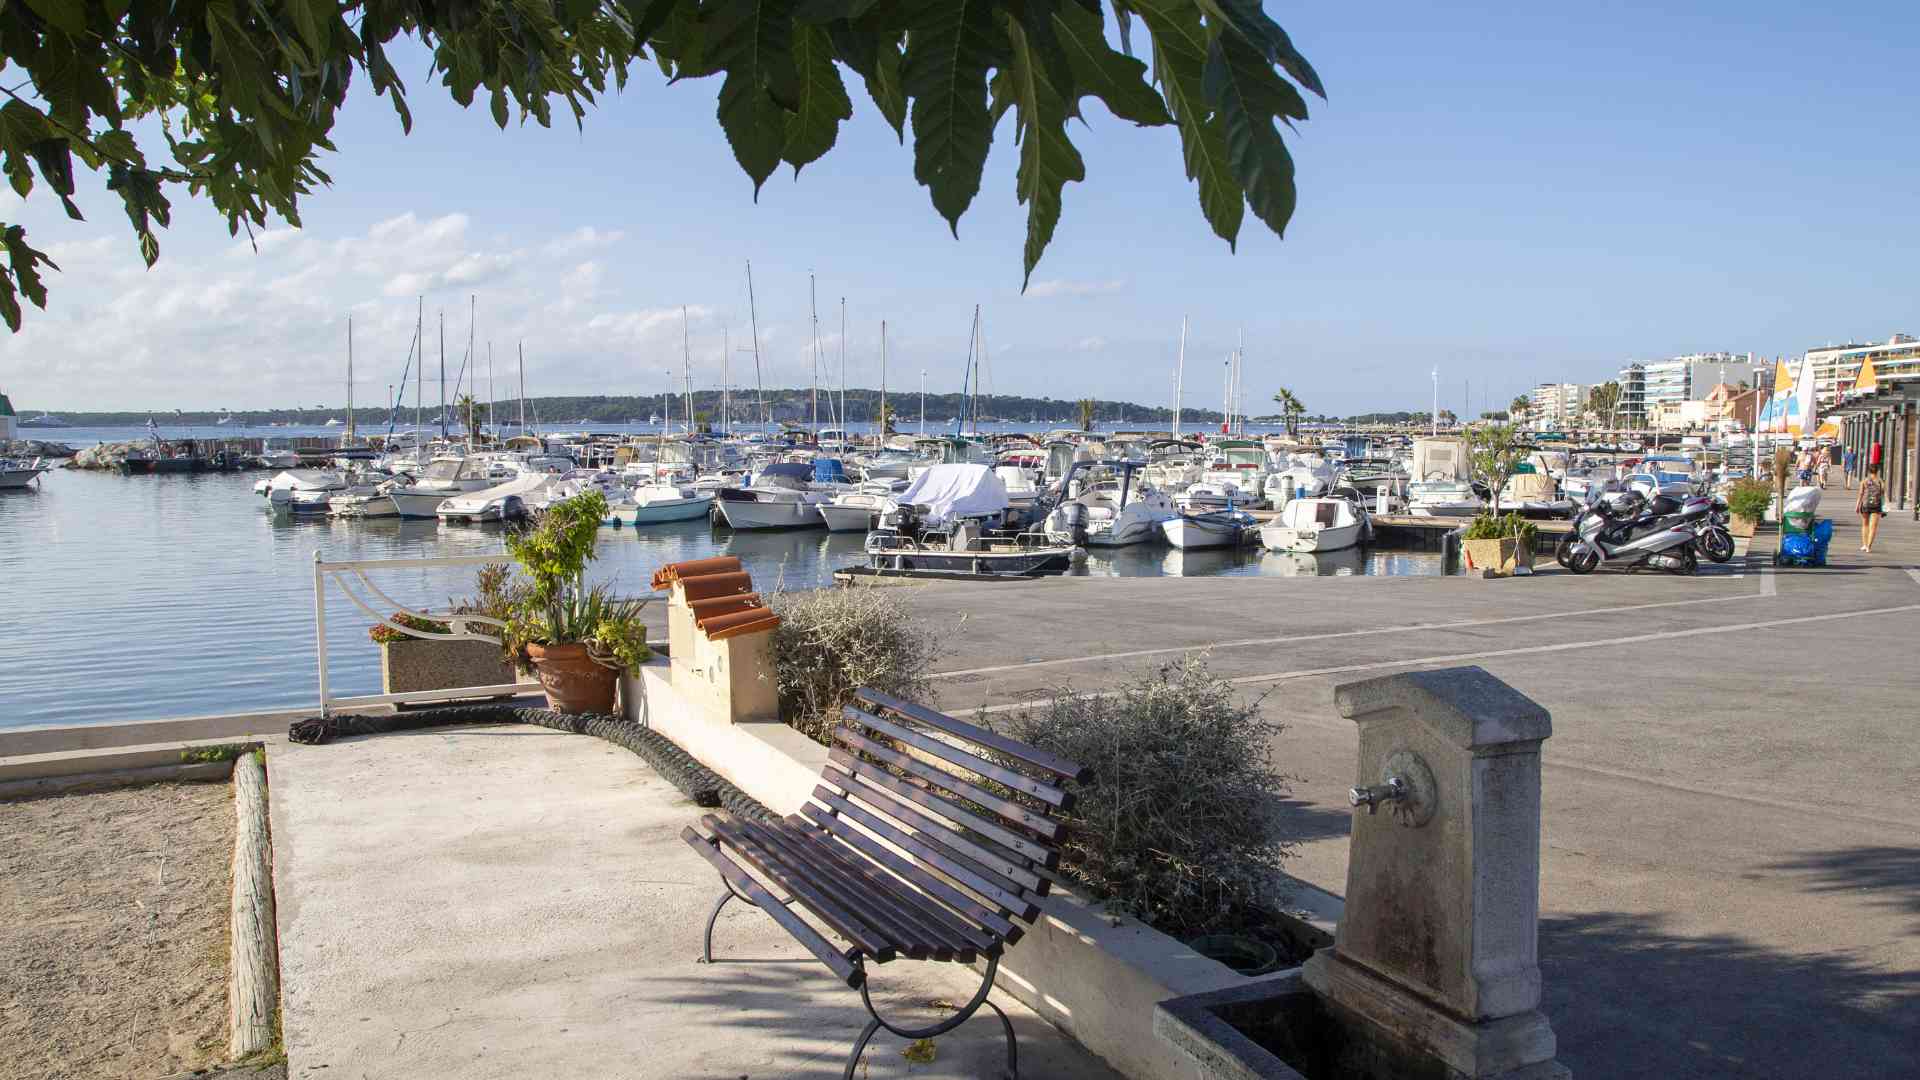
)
(1691, 378)
(1556, 405)
(1836, 367)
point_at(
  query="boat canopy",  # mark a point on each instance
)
(794, 471)
(950, 491)
(828, 470)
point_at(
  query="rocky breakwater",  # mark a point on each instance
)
(35, 448)
(106, 455)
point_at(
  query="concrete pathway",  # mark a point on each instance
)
(514, 902)
(1731, 868)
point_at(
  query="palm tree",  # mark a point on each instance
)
(465, 404)
(886, 420)
(1603, 400)
(1087, 408)
(1291, 410)
(1517, 408)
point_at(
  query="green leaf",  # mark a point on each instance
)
(752, 41)
(876, 59)
(67, 16)
(1118, 80)
(813, 127)
(1179, 53)
(1251, 20)
(950, 46)
(1250, 96)
(1048, 159)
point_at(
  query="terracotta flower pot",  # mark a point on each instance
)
(574, 682)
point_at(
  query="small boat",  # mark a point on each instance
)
(1113, 512)
(782, 496)
(333, 421)
(859, 510)
(962, 550)
(320, 484)
(510, 501)
(654, 504)
(15, 473)
(1310, 525)
(1208, 529)
(442, 479)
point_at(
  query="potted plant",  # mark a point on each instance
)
(578, 639)
(1747, 502)
(409, 663)
(1499, 545)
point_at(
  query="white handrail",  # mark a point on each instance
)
(457, 625)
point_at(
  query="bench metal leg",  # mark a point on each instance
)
(961, 1016)
(706, 947)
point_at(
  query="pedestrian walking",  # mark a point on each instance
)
(1820, 464)
(1870, 504)
(1847, 462)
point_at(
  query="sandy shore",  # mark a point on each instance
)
(113, 926)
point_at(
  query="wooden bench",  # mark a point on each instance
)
(926, 838)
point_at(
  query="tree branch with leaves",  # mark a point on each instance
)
(247, 92)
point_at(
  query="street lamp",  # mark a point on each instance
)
(923, 401)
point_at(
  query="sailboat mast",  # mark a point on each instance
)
(686, 367)
(443, 374)
(845, 419)
(726, 380)
(349, 436)
(883, 383)
(753, 313)
(523, 387)
(420, 369)
(1179, 371)
(1226, 395)
(813, 302)
(473, 306)
(490, 395)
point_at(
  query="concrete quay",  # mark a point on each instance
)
(1731, 857)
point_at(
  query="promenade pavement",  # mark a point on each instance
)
(1731, 859)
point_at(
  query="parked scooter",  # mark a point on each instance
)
(1706, 515)
(1617, 529)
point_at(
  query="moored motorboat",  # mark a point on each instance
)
(510, 501)
(1310, 525)
(15, 473)
(1208, 529)
(859, 510)
(781, 497)
(443, 478)
(654, 504)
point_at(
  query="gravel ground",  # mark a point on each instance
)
(113, 932)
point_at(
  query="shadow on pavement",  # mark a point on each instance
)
(1629, 999)
(1888, 876)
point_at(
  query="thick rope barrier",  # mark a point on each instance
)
(679, 768)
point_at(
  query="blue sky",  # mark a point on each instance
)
(1510, 192)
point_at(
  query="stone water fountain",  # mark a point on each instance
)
(1433, 974)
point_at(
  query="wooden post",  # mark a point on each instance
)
(253, 980)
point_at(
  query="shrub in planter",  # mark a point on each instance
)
(1177, 826)
(409, 663)
(1499, 543)
(1747, 501)
(578, 639)
(830, 642)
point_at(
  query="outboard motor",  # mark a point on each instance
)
(1069, 520)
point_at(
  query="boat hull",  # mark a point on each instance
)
(675, 510)
(418, 504)
(747, 514)
(17, 478)
(1189, 534)
(1037, 562)
(1307, 541)
(849, 518)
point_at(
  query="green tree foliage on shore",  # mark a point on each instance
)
(246, 92)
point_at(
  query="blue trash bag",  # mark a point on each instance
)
(1796, 547)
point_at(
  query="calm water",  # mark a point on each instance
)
(158, 596)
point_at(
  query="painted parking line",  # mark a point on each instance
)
(1411, 628)
(1528, 650)
(1914, 573)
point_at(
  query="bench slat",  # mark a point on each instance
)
(954, 755)
(1000, 892)
(941, 806)
(838, 962)
(876, 905)
(865, 846)
(843, 922)
(942, 924)
(939, 832)
(973, 733)
(1039, 823)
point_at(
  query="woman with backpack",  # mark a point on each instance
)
(1870, 504)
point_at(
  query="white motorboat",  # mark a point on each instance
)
(1305, 476)
(654, 504)
(16, 473)
(1441, 483)
(442, 479)
(310, 485)
(1533, 496)
(1240, 463)
(1113, 512)
(859, 510)
(782, 496)
(1199, 498)
(1208, 529)
(510, 501)
(1310, 525)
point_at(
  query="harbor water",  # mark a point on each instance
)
(143, 597)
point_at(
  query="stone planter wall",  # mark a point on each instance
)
(1498, 557)
(1741, 526)
(406, 666)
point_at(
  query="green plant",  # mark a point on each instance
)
(833, 641)
(556, 607)
(243, 96)
(1749, 498)
(1502, 526)
(1495, 454)
(202, 755)
(495, 592)
(1177, 826)
(383, 634)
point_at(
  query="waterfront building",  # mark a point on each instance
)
(1691, 378)
(1556, 405)
(8, 429)
(1631, 411)
(1836, 367)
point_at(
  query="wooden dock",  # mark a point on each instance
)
(1430, 528)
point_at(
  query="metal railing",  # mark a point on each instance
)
(343, 575)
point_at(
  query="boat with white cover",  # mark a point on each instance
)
(654, 504)
(15, 473)
(510, 501)
(1310, 525)
(859, 510)
(1441, 484)
(309, 484)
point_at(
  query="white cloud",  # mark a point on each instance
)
(1061, 287)
(583, 239)
(1090, 344)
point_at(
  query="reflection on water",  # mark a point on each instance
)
(142, 597)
